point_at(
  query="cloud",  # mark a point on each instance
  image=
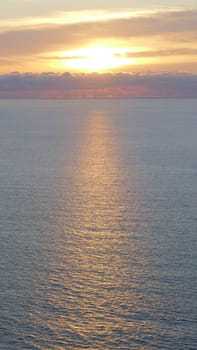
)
(187, 51)
(63, 58)
(169, 24)
(108, 85)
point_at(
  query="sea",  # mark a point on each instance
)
(98, 224)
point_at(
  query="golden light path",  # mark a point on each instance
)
(91, 268)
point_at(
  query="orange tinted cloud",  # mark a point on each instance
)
(181, 25)
(155, 39)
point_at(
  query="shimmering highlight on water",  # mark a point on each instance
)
(98, 224)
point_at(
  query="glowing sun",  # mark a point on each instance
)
(97, 58)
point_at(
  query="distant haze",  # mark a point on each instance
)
(117, 85)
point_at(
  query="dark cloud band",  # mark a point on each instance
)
(98, 85)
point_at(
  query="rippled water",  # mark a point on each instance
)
(98, 224)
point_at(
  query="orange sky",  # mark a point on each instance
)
(109, 37)
(100, 39)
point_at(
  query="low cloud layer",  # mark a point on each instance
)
(108, 85)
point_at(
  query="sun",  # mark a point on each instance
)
(96, 59)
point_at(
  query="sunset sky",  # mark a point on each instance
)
(102, 47)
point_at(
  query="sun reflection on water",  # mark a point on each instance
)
(97, 187)
(91, 271)
(95, 247)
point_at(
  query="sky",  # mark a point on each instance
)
(107, 48)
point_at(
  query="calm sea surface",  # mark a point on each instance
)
(98, 224)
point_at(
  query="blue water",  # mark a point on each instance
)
(98, 224)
